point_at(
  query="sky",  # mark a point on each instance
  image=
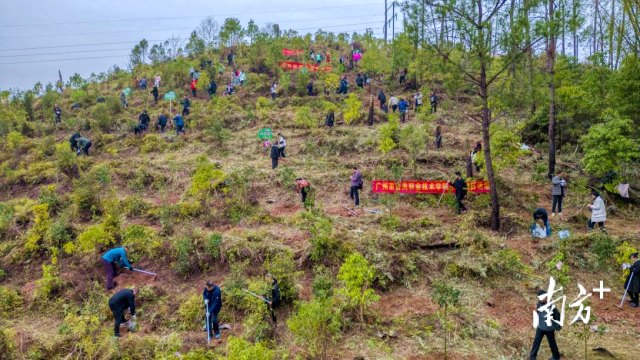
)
(36, 33)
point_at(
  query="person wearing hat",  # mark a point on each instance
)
(213, 300)
(461, 191)
(598, 211)
(633, 280)
(546, 327)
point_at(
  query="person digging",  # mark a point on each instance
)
(213, 300)
(119, 303)
(109, 260)
(632, 284)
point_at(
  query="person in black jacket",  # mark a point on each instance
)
(155, 94)
(162, 122)
(633, 282)
(330, 119)
(541, 214)
(230, 59)
(383, 99)
(73, 140)
(57, 112)
(275, 155)
(273, 298)
(213, 299)
(310, 88)
(213, 88)
(545, 328)
(123, 300)
(186, 106)
(360, 81)
(461, 191)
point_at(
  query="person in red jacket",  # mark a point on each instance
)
(194, 87)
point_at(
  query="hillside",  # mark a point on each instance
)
(206, 206)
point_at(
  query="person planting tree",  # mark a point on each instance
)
(119, 303)
(178, 122)
(186, 106)
(302, 186)
(273, 298)
(83, 144)
(73, 140)
(213, 300)
(109, 260)
(632, 284)
(541, 214)
(162, 122)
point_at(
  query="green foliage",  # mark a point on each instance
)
(101, 117)
(206, 179)
(282, 266)
(190, 313)
(331, 83)
(324, 243)
(95, 238)
(413, 139)
(38, 234)
(445, 296)
(10, 301)
(15, 141)
(315, 325)
(240, 349)
(322, 283)
(389, 134)
(353, 108)
(622, 253)
(611, 145)
(626, 87)
(184, 251)
(301, 84)
(304, 118)
(603, 246)
(86, 196)
(357, 277)
(49, 284)
(8, 347)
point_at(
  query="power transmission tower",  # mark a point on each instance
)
(392, 20)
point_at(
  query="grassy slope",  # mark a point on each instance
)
(483, 331)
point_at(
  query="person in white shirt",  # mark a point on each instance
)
(417, 100)
(282, 144)
(393, 101)
(274, 90)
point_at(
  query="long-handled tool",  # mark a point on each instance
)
(444, 190)
(145, 272)
(206, 311)
(258, 296)
(626, 290)
(351, 211)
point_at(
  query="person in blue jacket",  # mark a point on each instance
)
(178, 121)
(213, 299)
(109, 260)
(403, 106)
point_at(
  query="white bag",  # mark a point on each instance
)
(539, 232)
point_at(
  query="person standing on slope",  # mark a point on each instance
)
(109, 260)
(460, 184)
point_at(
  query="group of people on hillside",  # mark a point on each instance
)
(278, 151)
(558, 189)
(115, 260)
(144, 121)
(402, 105)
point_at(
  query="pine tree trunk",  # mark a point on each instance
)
(611, 31)
(595, 28)
(529, 57)
(551, 62)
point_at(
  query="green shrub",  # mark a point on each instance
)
(240, 349)
(353, 109)
(95, 238)
(191, 313)
(212, 246)
(322, 283)
(10, 301)
(8, 347)
(66, 160)
(324, 243)
(315, 325)
(86, 197)
(304, 118)
(357, 277)
(15, 141)
(185, 263)
(101, 117)
(50, 283)
(283, 267)
(604, 247)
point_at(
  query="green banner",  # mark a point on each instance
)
(126, 91)
(170, 95)
(265, 133)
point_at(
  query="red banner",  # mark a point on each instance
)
(289, 52)
(299, 66)
(425, 187)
